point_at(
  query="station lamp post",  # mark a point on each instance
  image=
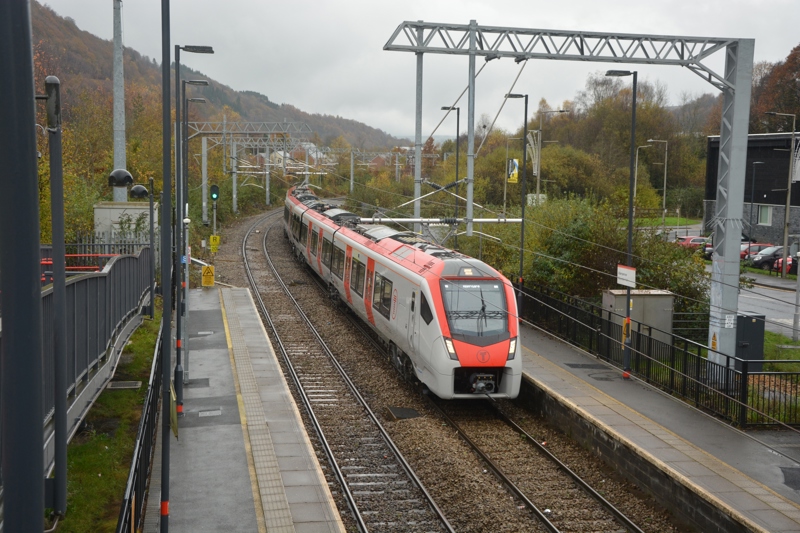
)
(524, 194)
(179, 207)
(788, 194)
(539, 160)
(626, 354)
(140, 191)
(664, 192)
(752, 196)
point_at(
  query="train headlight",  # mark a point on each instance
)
(512, 349)
(451, 350)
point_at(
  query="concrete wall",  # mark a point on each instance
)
(685, 501)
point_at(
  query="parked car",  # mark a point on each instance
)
(693, 241)
(751, 249)
(766, 258)
(792, 264)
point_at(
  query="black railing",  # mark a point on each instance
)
(131, 512)
(743, 392)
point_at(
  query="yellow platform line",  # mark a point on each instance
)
(262, 526)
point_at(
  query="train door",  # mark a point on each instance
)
(413, 333)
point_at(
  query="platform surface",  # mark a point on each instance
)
(243, 461)
(753, 474)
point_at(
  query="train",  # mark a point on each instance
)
(448, 321)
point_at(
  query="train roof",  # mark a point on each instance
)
(341, 217)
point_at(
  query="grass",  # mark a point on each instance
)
(99, 456)
(670, 221)
(772, 352)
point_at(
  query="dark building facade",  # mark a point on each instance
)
(765, 187)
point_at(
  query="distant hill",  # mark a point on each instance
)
(83, 61)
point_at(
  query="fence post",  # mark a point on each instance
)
(743, 403)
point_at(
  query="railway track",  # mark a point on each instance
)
(463, 485)
(557, 495)
(380, 487)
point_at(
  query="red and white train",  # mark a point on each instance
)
(449, 320)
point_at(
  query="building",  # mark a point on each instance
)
(766, 178)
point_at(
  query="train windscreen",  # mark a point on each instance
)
(475, 308)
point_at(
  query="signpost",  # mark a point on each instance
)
(208, 276)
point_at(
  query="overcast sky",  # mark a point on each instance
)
(326, 56)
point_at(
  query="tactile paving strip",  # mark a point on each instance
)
(278, 517)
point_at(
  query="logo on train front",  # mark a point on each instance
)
(483, 356)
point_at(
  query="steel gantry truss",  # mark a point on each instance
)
(285, 136)
(521, 44)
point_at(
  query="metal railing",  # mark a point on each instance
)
(743, 392)
(131, 512)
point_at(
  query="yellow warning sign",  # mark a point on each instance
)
(213, 240)
(208, 276)
(714, 341)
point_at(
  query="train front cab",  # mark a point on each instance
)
(478, 350)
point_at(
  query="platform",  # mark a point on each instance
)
(751, 478)
(242, 461)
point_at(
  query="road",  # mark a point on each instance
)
(777, 306)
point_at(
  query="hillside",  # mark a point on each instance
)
(83, 62)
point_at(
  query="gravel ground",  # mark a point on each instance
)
(471, 497)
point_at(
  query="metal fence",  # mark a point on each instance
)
(746, 393)
(131, 511)
(102, 308)
(99, 305)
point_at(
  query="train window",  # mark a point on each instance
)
(303, 234)
(357, 272)
(382, 295)
(425, 309)
(475, 308)
(286, 213)
(326, 252)
(314, 242)
(337, 262)
(296, 226)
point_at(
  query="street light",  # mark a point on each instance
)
(139, 191)
(752, 197)
(505, 181)
(626, 353)
(664, 193)
(524, 198)
(184, 240)
(539, 159)
(458, 119)
(796, 320)
(636, 174)
(178, 239)
(788, 195)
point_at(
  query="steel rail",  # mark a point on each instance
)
(350, 385)
(306, 402)
(619, 515)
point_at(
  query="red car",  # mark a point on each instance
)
(692, 241)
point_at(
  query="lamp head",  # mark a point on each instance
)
(139, 191)
(618, 73)
(196, 82)
(515, 95)
(120, 178)
(199, 100)
(198, 49)
(449, 108)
